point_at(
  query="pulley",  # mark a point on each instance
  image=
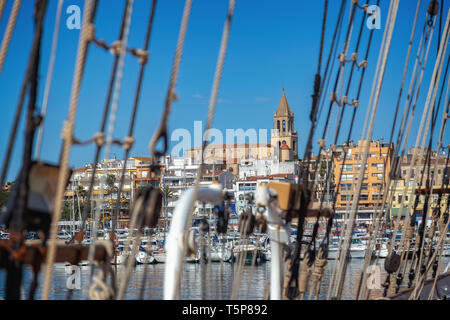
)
(261, 223)
(222, 221)
(392, 263)
(151, 206)
(246, 222)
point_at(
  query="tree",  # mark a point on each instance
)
(81, 193)
(167, 192)
(110, 185)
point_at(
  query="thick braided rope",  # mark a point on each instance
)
(2, 7)
(9, 31)
(67, 137)
(49, 77)
(118, 81)
(415, 153)
(343, 261)
(408, 192)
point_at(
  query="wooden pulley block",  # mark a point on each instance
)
(222, 221)
(392, 263)
(246, 222)
(152, 203)
(261, 223)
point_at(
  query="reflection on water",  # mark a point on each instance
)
(216, 283)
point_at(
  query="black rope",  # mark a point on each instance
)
(134, 112)
(106, 108)
(14, 267)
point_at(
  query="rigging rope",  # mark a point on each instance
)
(346, 245)
(213, 99)
(88, 16)
(48, 82)
(171, 96)
(121, 46)
(16, 225)
(376, 214)
(99, 137)
(9, 30)
(2, 7)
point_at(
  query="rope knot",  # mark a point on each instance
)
(342, 58)
(321, 143)
(99, 139)
(363, 64)
(354, 57)
(66, 132)
(141, 54)
(116, 48)
(128, 143)
(344, 100)
(355, 103)
(333, 97)
(90, 32)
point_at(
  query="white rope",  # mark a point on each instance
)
(348, 236)
(410, 192)
(118, 80)
(376, 220)
(49, 78)
(65, 153)
(383, 43)
(9, 31)
(415, 154)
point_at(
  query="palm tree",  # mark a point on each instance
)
(167, 193)
(111, 188)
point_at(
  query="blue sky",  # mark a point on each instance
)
(273, 45)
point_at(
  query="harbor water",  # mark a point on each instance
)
(211, 282)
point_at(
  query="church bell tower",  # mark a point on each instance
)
(284, 137)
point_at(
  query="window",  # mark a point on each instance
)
(278, 124)
(364, 197)
(284, 125)
(364, 186)
(346, 197)
(378, 175)
(347, 177)
(346, 187)
(346, 167)
(376, 196)
(400, 197)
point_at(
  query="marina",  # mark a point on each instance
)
(362, 214)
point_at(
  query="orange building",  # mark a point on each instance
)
(375, 175)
